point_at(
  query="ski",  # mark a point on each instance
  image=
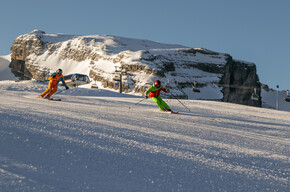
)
(52, 99)
(172, 112)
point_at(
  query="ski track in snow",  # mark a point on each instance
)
(96, 143)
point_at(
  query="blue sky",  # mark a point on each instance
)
(252, 30)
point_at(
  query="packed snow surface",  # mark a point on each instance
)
(99, 140)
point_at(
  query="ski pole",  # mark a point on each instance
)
(137, 103)
(179, 101)
(60, 91)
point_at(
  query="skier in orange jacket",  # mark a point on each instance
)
(54, 79)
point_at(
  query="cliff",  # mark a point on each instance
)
(218, 75)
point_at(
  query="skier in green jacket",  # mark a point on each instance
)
(154, 94)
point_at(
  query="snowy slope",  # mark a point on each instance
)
(5, 71)
(92, 141)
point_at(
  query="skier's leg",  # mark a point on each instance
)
(157, 101)
(47, 91)
(53, 90)
(163, 103)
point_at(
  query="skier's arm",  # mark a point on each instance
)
(51, 76)
(63, 82)
(165, 90)
(148, 91)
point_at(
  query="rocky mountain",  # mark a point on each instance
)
(217, 75)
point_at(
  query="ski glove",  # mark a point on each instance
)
(146, 97)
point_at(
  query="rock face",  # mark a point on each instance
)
(36, 55)
(22, 48)
(240, 81)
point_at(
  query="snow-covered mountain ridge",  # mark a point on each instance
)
(36, 54)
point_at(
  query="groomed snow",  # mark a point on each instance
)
(92, 141)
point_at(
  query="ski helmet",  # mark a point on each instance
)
(59, 71)
(157, 82)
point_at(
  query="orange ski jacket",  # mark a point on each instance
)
(54, 79)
